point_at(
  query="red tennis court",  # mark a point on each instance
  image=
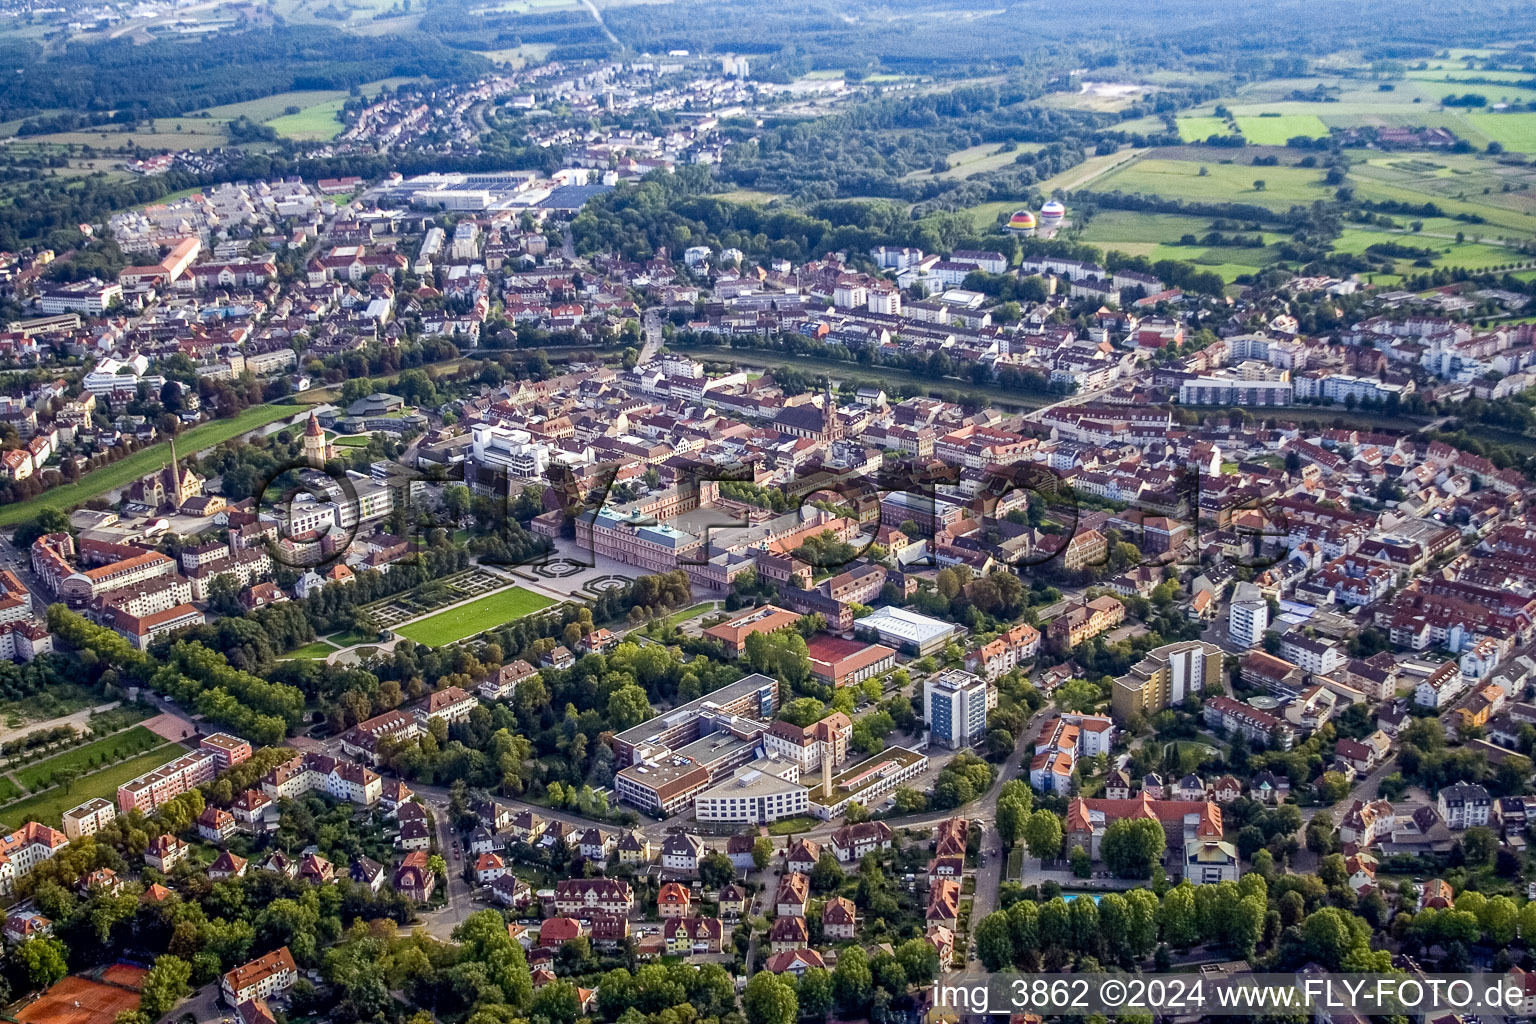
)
(83, 1001)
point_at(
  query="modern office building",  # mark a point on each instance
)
(955, 707)
(766, 790)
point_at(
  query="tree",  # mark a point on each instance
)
(770, 999)
(827, 875)
(167, 983)
(1501, 921)
(1131, 847)
(919, 960)
(1014, 801)
(762, 853)
(1180, 922)
(556, 1003)
(716, 869)
(1332, 787)
(1478, 845)
(815, 994)
(994, 941)
(1043, 835)
(852, 981)
(45, 960)
(628, 706)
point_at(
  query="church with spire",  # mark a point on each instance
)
(168, 489)
(808, 420)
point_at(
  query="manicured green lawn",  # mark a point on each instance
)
(786, 826)
(48, 808)
(475, 617)
(142, 462)
(134, 741)
(317, 651)
(354, 440)
(1275, 131)
(677, 618)
(8, 790)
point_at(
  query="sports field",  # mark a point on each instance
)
(475, 617)
(74, 1000)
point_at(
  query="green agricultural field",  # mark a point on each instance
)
(48, 808)
(1497, 219)
(1500, 92)
(316, 123)
(134, 741)
(1516, 132)
(1222, 183)
(1198, 129)
(1275, 131)
(269, 108)
(1088, 173)
(1448, 252)
(984, 215)
(1117, 229)
(146, 460)
(1156, 236)
(477, 616)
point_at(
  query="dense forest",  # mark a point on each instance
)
(951, 36)
(169, 77)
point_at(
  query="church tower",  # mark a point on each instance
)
(175, 490)
(831, 429)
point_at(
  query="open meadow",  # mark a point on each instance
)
(49, 807)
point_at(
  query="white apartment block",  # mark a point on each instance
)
(88, 818)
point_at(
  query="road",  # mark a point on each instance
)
(81, 720)
(650, 331)
(441, 923)
(597, 16)
(1034, 415)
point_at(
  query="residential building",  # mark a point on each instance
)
(1165, 676)
(88, 818)
(1464, 805)
(1247, 616)
(262, 978)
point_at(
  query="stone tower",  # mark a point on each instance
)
(315, 448)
